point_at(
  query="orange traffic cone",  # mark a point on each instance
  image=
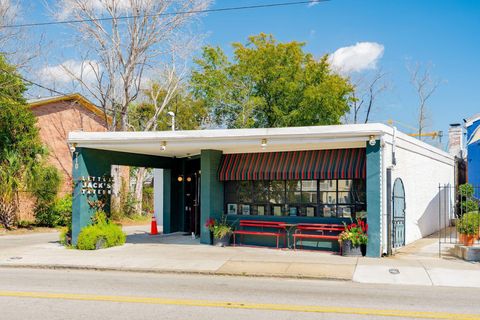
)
(153, 228)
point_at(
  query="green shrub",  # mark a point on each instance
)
(469, 205)
(467, 200)
(469, 223)
(472, 217)
(111, 234)
(147, 199)
(466, 190)
(66, 236)
(56, 213)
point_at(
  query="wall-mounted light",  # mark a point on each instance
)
(372, 141)
(189, 179)
(163, 146)
(180, 178)
(73, 147)
(263, 144)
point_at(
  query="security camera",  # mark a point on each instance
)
(72, 148)
(171, 113)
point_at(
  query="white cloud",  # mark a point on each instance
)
(70, 70)
(313, 3)
(67, 8)
(359, 57)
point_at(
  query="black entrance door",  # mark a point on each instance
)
(192, 197)
(398, 221)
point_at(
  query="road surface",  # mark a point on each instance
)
(61, 294)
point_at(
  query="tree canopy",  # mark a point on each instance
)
(22, 154)
(269, 84)
(189, 112)
(18, 133)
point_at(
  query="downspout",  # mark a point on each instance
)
(383, 192)
(389, 193)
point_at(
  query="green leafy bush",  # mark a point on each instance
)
(469, 223)
(56, 213)
(466, 190)
(469, 205)
(147, 199)
(66, 236)
(467, 200)
(102, 231)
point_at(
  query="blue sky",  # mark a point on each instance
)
(444, 33)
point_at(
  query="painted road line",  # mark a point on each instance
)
(239, 305)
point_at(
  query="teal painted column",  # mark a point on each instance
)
(211, 191)
(374, 199)
(167, 201)
(86, 162)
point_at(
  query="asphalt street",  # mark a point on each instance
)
(61, 294)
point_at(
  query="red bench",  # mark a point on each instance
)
(316, 231)
(273, 229)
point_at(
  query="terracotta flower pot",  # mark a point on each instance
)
(469, 240)
(461, 238)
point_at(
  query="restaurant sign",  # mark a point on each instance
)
(96, 185)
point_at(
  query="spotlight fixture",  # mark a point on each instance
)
(180, 178)
(189, 179)
(163, 146)
(264, 143)
(372, 141)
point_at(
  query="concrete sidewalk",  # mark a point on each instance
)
(181, 254)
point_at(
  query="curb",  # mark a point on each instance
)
(166, 271)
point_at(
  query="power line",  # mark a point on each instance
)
(258, 6)
(31, 82)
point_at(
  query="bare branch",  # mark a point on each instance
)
(425, 86)
(368, 87)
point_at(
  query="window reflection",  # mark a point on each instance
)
(308, 198)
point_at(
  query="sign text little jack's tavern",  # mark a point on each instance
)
(96, 185)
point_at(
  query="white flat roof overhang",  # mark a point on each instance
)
(190, 142)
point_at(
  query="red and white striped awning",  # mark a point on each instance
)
(294, 165)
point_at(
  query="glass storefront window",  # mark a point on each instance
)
(245, 191)
(308, 198)
(277, 192)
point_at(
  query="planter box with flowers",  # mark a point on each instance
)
(353, 240)
(220, 232)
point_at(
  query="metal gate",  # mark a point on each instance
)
(398, 221)
(454, 205)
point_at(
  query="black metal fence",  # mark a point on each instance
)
(458, 215)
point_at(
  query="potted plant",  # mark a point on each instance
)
(353, 240)
(210, 225)
(467, 227)
(473, 217)
(220, 231)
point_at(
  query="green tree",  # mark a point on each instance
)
(22, 154)
(189, 112)
(269, 84)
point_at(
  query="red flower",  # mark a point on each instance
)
(210, 223)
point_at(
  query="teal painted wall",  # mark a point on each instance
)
(93, 162)
(211, 191)
(374, 199)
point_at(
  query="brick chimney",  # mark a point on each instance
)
(455, 140)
